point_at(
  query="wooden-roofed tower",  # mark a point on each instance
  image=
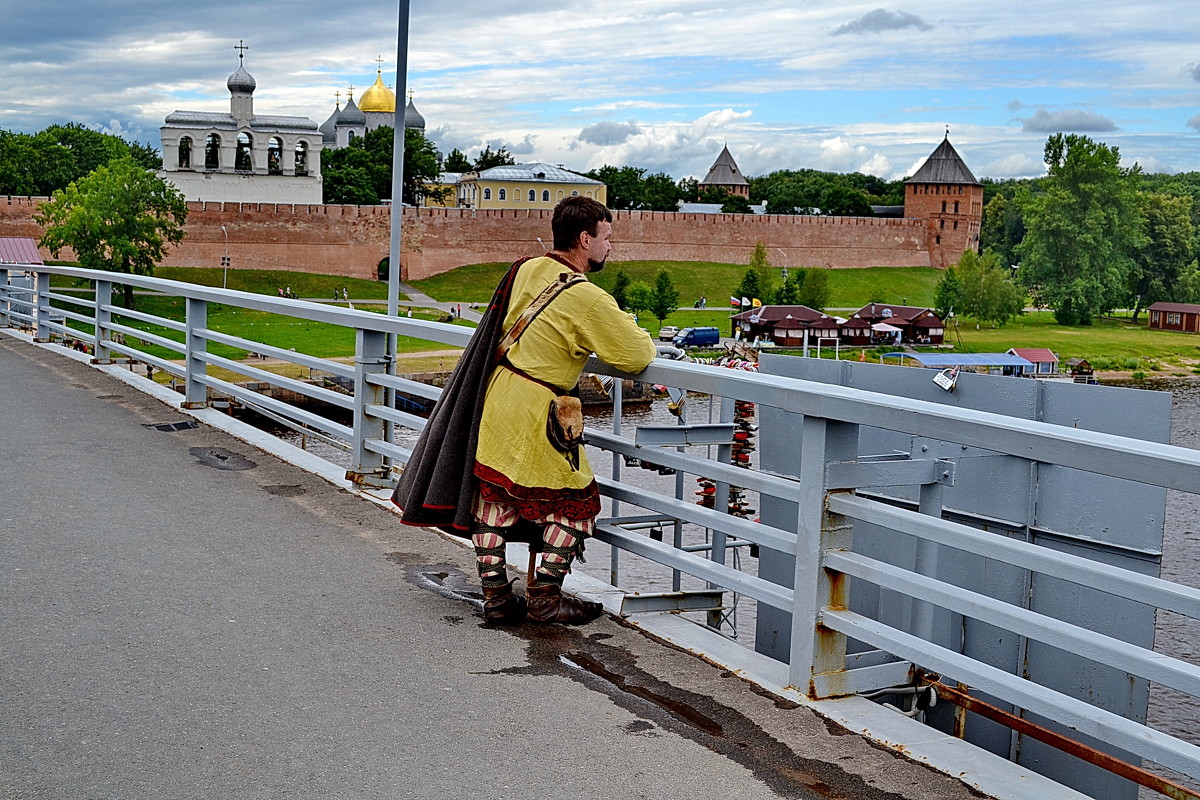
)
(945, 194)
(724, 174)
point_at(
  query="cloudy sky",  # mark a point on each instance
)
(660, 84)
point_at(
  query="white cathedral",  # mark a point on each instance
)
(258, 158)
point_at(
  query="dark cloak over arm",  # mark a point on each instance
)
(438, 483)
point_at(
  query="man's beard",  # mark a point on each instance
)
(596, 266)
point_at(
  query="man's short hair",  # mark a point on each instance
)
(575, 215)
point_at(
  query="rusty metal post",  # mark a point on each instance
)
(814, 648)
(369, 468)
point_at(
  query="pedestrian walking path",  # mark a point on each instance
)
(183, 615)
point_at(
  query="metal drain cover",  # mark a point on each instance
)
(171, 427)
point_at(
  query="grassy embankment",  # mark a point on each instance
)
(1111, 344)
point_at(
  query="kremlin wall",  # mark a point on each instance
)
(351, 240)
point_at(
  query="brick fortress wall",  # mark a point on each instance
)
(351, 240)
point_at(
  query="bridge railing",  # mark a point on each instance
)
(822, 487)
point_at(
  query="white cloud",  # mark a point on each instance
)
(1014, 165)
(1194, 123)
(1149, 164)
(608, 132)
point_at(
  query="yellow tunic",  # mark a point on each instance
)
(581, 320)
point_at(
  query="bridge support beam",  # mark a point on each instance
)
(42, 329)
(103, 331)
(369, 468)
(195, 391)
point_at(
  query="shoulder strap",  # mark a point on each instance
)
(552, 291)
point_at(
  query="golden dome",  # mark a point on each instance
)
(378, 98)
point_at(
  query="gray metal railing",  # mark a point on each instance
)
(821, 487)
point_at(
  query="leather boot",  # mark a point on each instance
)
(547, 604)
(501, 606)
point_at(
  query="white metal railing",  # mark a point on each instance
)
(821, 487)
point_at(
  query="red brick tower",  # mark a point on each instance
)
(945, 194)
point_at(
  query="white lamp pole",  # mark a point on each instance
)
(225, 260)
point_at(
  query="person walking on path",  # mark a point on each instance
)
(485, 466)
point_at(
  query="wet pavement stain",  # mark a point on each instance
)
(220, 458)
(285, 490)
(557, 650)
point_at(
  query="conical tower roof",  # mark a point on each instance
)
(724, 172)
(944, 165)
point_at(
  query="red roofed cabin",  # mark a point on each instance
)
(1174, 317)
(1043, 359)
(917, 325)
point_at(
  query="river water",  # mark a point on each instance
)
(1170, 711)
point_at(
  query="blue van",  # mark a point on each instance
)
(697, 337)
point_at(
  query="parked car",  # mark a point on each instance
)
(697, 337)
(667, 332)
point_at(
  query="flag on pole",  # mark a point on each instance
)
(756, 302)
(745, 301)
(733, 301)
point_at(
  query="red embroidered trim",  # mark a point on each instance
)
(536, 502)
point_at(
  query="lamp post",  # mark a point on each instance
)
(225, 260)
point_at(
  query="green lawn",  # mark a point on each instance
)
(849, 288)
(264, 281)
(1112, 343)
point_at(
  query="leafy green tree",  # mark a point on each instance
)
(713, 194)
(689, 190)
(844, 201)
(660, 193)
(947, 296)
(120, 218)
(788, 293)
(987, 292)
(760, 263)
(751, 286)
(457, 162)
(489, 158)
(1003, 228)
(640, 297)
(620, 290)
(1167, 249)
(361, 173)
(1081, 231)
(736, 204)
(664, 298)
(814, 290)
(46, 161)
(624, 185)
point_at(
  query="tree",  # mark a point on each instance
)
(689, 190)
(947, 296)
(762, 265)
(49, 160)
(1003, 228)
(120, 218)
(814, 290)
(987, 292)
(844, 201)
(620, 289)
(664, 298)
(624, 185)
(660, 193)
(640, 297)
(457, 162)
(361, 173)
(788, 293)
(736, 204)
(1166, 252)
(1081, 231)
(489, 158)
(751, 286)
